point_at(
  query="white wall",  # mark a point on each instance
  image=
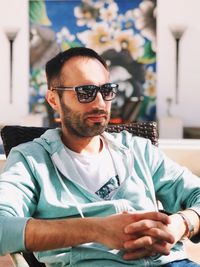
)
(179, 12)
(14, 15)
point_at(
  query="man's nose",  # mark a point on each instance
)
(99, 101)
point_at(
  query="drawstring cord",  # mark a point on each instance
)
(78, 206)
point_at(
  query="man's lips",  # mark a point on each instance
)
(97, 117)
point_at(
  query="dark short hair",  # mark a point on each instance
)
(54, 65)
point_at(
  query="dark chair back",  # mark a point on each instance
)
(15, 135)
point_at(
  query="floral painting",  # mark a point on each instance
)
(122, 31)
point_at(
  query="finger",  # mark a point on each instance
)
(160, 247)
(143, 225)
(152, 228)
(149, 244)
(140, 253)
(160, 234)
(139, 243)
(153, 215)
(139, 226)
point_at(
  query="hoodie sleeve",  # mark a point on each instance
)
(176, 186)
(18, 198)
(12, 234)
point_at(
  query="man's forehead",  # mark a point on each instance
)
(77, 60)
(82, 65)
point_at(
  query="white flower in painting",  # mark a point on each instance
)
(119, 73)
(150, 90)
(64, 35)
(41, 77)
(150, 83)
(145, 20)
(109, 13)
(150, 75)
(99, 37)
(43, 89)
(127, 40)
(127, 87)
(32, 90)
(127, 20)
(115, 25)
(121, 76)
(88, 12)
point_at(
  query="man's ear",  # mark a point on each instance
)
(53, 100)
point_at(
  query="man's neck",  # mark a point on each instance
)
(83, 145)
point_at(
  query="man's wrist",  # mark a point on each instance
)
(189, 227)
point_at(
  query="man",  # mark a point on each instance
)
(78, 196)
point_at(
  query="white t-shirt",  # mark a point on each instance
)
(97, 172)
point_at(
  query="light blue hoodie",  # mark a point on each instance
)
(34, 184)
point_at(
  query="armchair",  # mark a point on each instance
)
(15, 135)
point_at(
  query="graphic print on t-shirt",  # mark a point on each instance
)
(105, 191)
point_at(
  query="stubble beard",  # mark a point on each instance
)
(76, 122)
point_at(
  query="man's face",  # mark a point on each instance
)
(84, 119)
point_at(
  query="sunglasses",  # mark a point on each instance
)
(88, 93)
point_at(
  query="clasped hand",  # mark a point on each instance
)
(140, 234)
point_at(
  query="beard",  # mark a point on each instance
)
(77, 124)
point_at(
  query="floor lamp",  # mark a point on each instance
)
(11, 33)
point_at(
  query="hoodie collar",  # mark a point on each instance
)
(115, 140)
(51, 140)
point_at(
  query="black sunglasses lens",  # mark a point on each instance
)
(86, 93)
(109, 91)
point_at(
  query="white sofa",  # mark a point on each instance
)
(2, 160)
(186, 152)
